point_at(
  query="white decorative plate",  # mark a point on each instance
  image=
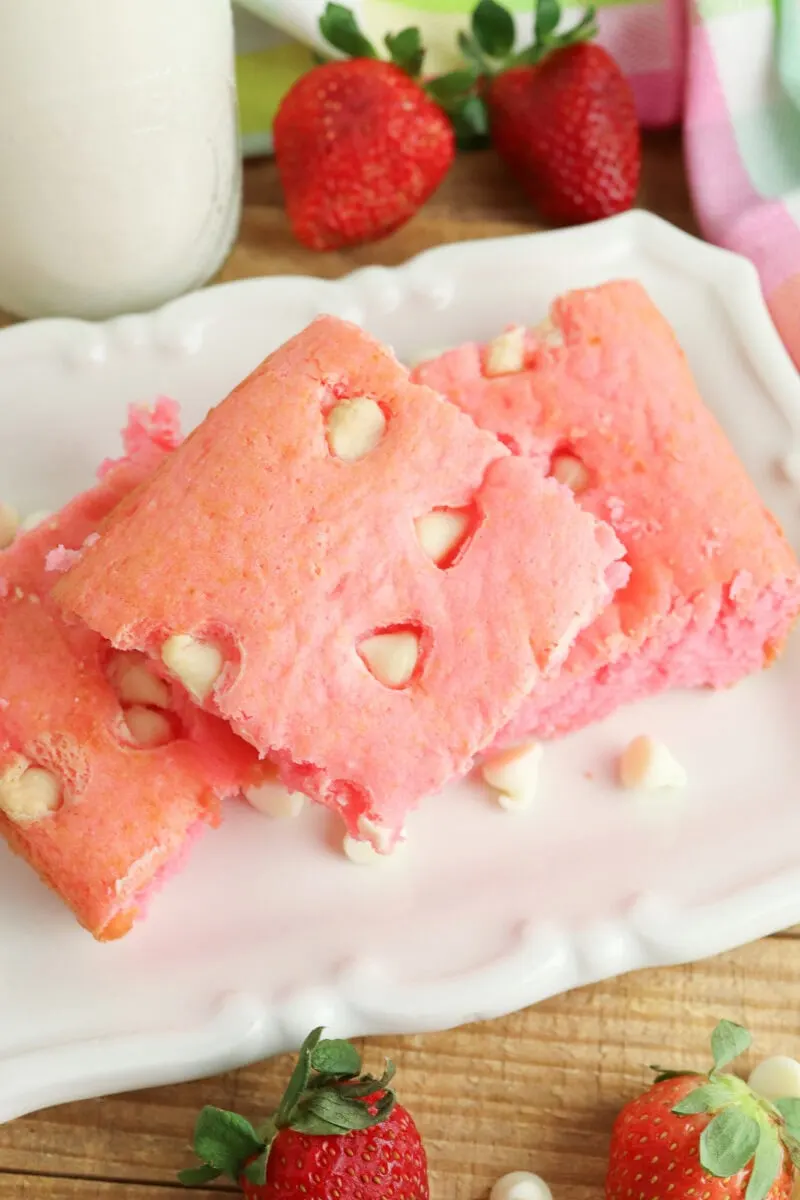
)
(269, 931)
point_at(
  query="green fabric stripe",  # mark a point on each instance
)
(769, 144)
(708, 9)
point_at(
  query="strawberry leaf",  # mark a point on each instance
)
(493, 28)
(712, 1095)
(406, 50)
(336, 1057)
(339, 27)
(728, 1041)
(256, 1171)
(663, 1073)
(729, 1142)
(367, 1085)
(471, 124)
(789, 1108)
(299, 1079)
(329, 1112)
(472, 53)
(197, 1176)
(224, 1141)
(766, 1166)
(548, 14)
(698, 1101)
(452, 86)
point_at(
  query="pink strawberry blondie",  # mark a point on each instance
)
(104, 778)
(602, 398)
(344, 567)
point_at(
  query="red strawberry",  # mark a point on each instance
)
(705, 1136)
(359, 145)
(336, 1135)
(561, 112)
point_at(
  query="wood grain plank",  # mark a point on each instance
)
(45, 1187)
(536, 1090)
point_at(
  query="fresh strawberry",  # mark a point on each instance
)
(561, 113)
(705, 1136)
(359, 145)
(336, 1135)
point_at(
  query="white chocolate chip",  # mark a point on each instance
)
(355, 427)
(374, 846)
(363, 854)
(391, 657)
(520, 1185)
(198, 665)
(147, 727)
(9, 524)
(28, 793)
(649, 764)
(569, 470)
(514, 774)
(506, 354)
(776, 1078)
(134, 682)
(34, 520)
(549, 333)
(273, 799)
(440, 531)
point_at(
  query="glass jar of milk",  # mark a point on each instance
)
(120, 173)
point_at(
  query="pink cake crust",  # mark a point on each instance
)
(126, 812)
(256, 537)
(714, 586)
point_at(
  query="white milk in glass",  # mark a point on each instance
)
(120, 174)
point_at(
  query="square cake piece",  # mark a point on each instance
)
(350, 572)
(602, 398)
(105, 774)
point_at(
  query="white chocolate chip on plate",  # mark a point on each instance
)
(776, 1078)
(355, 427)
(134, 682)
(648, 764)
(198, 665)
(147, 727)
(391, 657)
(520, 1185)
(440, 531)
(570, 471)
(506, 354)
(514, 774)
(274, 799)
(28, 793)
(364, 850)
(9, 524)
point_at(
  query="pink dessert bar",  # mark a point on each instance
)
(104, 778)
(602, 398)
(350, 572)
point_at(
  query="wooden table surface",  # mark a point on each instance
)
(537, 1090)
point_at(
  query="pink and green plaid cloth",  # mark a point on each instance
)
(729, 69)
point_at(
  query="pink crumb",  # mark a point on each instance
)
(61, 559)
(150, 430)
